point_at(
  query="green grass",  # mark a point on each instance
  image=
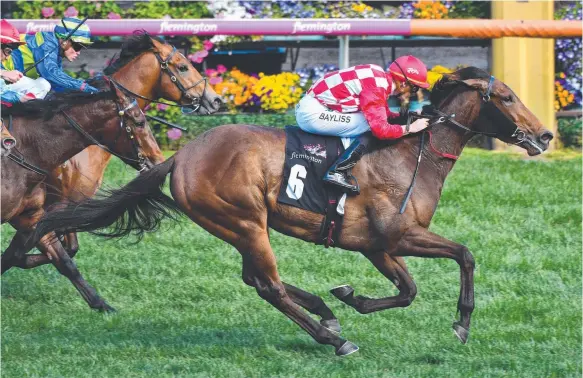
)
(184, 311)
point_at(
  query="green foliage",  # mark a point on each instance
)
(197, 125)
(100, 9)
(470, 9)
(175, 9)
(570, 131)
(91, 9)
(183, 310)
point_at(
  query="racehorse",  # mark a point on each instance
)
(50, 132)
(228, 179)
(146, 69)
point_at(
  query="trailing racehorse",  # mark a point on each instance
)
(147, 69)
(49, 132)
(228, 181)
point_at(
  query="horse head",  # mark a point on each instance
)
(142, 143)
(490, 107)
(167, 72)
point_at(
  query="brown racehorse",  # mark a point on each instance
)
(50, 132)
(149, 69)
(228, 180)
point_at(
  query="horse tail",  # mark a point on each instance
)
(138, 207)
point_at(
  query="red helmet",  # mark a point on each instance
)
(409, 68)
(9, 34)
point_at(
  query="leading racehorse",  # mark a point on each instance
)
(228, 179)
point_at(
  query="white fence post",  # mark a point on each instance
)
(343, 52)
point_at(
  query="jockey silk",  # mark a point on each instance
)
(51, 69)
(355, 91)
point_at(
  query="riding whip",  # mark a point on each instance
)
(58, 47)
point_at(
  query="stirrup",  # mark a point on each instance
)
(338, 179)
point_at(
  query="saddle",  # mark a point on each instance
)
(307, 158)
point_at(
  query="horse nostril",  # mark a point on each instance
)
(546, 137)
(217, 103)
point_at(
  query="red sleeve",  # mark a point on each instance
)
(373, 103)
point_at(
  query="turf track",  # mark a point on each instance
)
(184, 311)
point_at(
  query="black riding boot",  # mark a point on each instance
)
(337, 173)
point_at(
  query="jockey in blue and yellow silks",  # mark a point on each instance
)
(10, 41)
(54, 47)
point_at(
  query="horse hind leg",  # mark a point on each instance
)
(315, 305)
(30, 261)
(394, 269)
(260, 272)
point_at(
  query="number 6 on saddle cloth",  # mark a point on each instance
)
(307, 158)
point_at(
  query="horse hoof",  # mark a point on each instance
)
(461, 332)
(342, 292)
(332, 325)
(104, 307)
(346, 349)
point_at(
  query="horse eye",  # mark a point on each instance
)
(141, 123)
(183, 68)
(507, 99)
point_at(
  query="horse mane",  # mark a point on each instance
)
(450, 82)
(138, 43)
(57, 102)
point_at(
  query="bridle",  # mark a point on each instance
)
(165, 66)
(16, 156)
(488, 110)
(140, 160)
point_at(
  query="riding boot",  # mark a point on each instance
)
(337, 174)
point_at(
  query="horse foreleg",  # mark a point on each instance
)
(315, 305)
(395, 270)
(52, 248)
(422, 243)
(260, 272)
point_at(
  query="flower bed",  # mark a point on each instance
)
(568, 62)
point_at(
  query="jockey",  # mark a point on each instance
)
(53, 47)
(9, 42)
(352, 101)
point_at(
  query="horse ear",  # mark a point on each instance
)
(157, 44)
(118, 92)
(479, 84)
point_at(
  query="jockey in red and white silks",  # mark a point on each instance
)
(353, 101)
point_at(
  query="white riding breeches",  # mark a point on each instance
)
(315, 118)
(38, 87)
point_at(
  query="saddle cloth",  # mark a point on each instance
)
(307, 158)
